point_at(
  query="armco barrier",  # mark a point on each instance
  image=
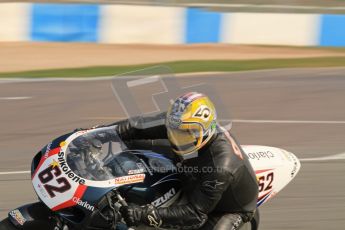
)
(164, 25)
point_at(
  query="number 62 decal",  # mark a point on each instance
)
(265, 182)
(49, 174)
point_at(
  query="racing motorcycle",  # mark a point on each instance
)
(83, 186)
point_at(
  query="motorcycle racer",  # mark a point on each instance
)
(221, 193)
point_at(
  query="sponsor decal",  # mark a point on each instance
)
(212, 184)
(166, 197)
(293, 159)
(294, 169)
(136, 171)
(18, 216)
(67, 170)
(290, 157)
(154, 220)
(62, 144)
(84, 204)
(260, 155)
(47, 150)
(130, 179)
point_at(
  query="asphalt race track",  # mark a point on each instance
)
(300, 110)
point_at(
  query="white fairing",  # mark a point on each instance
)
(274, 168)
(66, 187)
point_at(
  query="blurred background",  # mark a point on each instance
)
(277, 65)
(113, 33)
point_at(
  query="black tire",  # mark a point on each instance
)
(6, 224)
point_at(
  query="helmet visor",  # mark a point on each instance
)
(185, 139)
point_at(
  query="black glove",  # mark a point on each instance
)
(134, 215)
(131, 214)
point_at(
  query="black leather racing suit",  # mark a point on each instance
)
(220, 192)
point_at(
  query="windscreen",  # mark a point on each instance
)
(100, 155)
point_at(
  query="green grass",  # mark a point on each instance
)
(184, 67)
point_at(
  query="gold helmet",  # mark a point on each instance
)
(190, 122)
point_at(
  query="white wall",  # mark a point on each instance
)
(14, 21)
(270, 29)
